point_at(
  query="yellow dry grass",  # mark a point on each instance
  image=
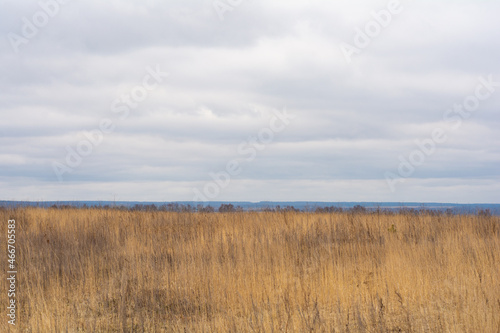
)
(102, 270)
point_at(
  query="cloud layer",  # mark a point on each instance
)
(355, 120)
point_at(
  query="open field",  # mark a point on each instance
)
(96, 270)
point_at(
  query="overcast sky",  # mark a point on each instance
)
(306, 100)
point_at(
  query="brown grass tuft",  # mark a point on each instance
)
(97, 270)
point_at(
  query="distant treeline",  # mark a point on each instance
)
(230, 208)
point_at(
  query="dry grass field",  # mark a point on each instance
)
(97, 270)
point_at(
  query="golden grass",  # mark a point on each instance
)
(101, 270)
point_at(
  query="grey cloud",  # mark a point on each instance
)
(352, 120)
